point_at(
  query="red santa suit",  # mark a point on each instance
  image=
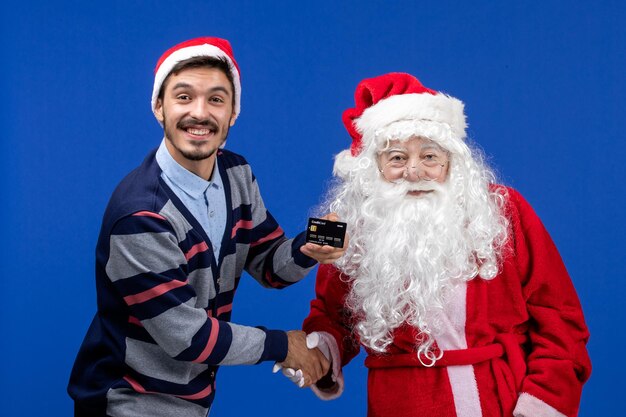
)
(514, 345)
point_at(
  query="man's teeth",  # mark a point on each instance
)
(199, 132)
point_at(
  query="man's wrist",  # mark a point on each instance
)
(300, 258)
(276, 345)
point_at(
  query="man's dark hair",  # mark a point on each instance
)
(202, 62)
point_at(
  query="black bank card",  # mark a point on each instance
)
(325, 232)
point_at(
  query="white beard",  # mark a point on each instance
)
(405, 255)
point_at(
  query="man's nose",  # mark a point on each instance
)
(200, 110)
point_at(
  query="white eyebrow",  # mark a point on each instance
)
(395, 149)
(432, 145)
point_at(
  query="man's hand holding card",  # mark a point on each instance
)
(326, 239)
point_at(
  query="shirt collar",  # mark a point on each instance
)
(186, 180)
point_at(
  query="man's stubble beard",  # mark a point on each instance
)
(198, 154)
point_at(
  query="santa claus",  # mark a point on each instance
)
(450, 282)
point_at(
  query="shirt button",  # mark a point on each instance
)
(211, 213)
(219, 281)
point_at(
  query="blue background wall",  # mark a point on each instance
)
(543, 84)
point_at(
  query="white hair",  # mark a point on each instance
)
(405, 253)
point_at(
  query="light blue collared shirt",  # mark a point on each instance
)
(206, 200)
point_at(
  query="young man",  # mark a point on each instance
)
(450, 282)
(176, 237)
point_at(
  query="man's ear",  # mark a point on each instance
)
(233, 118)
(158, 110)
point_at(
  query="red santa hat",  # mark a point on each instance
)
(393, 100)
(198, 47)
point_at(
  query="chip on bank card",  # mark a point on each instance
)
(326, 232)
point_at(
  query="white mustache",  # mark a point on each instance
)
(422, 186)
(387, 190)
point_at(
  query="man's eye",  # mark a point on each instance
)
(183, 97)
(216, 99)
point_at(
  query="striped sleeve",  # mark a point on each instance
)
(273, 260)
(148, 268)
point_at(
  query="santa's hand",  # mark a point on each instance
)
(314, 340)
(293, 375)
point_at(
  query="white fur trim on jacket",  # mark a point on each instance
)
(335, 358)
(530, 406)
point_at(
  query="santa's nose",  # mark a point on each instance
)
(412, 173)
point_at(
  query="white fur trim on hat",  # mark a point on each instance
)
(344, 164)
(411, 114)
(190, 52)
(438, 108)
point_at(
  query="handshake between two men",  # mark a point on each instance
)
(309, 357)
